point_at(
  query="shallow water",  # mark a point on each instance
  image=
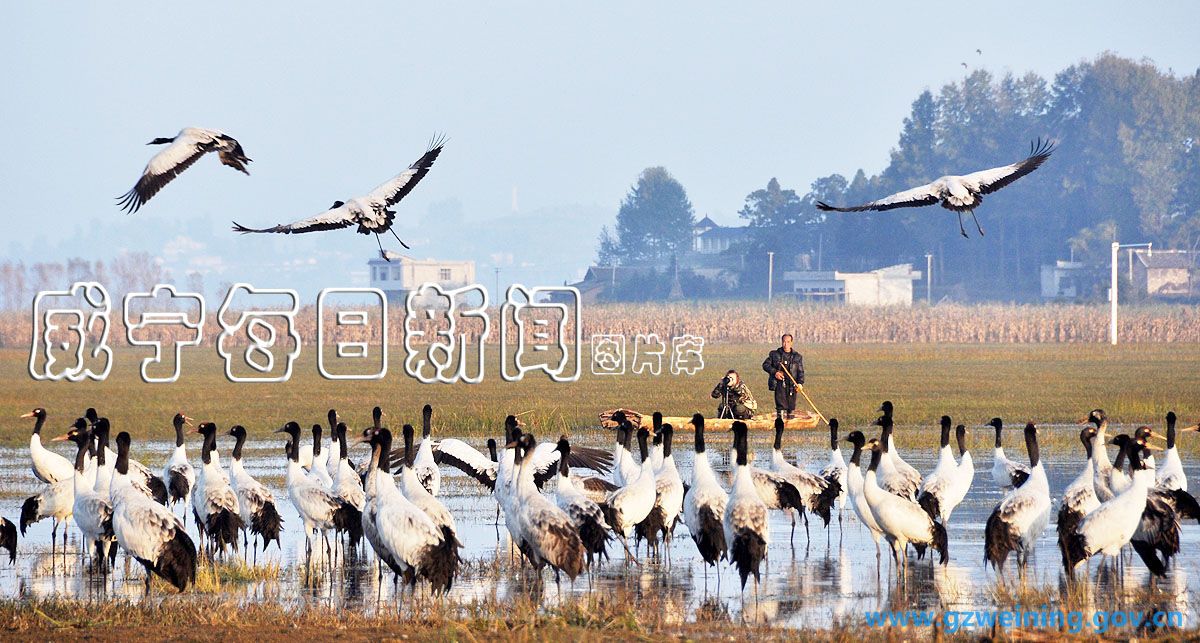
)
(807, 582)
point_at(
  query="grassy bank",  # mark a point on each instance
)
(1045, 382)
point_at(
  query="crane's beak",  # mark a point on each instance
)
(282, 429)
(187, 420)
(1194, 427)
(62, 438)
(1158, 436)
(1085, 420)
(1152, 447)
(28, 415)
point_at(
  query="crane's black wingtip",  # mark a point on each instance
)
(237, 227)
(823, 206)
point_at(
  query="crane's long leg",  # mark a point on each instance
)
(385, 257)
(977, 223)
(399, 239)
(961, 229)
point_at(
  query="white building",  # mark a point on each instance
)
(1068, 281)
(403, 274)
(890, 286)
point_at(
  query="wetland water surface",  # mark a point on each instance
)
(807, 582)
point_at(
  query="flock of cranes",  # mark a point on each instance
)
(392, 498)
(371, 213)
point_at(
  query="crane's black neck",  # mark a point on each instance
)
(668, 431)
(996, 424)
(960, 435)
(426, 421)
(316, 431)
(741, 445)
(699, 437)
(81, 455)
(778, 434)
(1170, 430)
(239, 439)
(1085, 436)
(945, 441)
(491, 444)
(39, 420)
(1031, 444)
(876, 456)
(833, 437)
(856, 455)
(342, 444)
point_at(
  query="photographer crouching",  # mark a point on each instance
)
(736, 400)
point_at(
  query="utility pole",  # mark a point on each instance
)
(1112, 292)
(770, 274)
(928, 278)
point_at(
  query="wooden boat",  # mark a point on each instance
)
(802, 420)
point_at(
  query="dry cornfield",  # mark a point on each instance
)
(742, 322)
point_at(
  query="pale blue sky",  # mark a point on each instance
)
(564, 101)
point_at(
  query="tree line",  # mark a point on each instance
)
(1127, 168)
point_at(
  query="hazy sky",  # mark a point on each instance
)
(566, 102)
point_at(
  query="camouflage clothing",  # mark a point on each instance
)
(739, 404)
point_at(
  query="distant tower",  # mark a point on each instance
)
(514, 200)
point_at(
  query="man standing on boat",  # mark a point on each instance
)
(785, 376)
(736, 400)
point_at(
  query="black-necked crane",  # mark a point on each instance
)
(346, 483)
(1006, 473)
(835, 469)
(416, 492)
(48, 466)
(668, 494)
(425, 466)
(625, 470)
(8, 539)
(214, 502)
(318, 469)
(92, 512)
(1112, 524)
(376, 468)
(332, 462)
(630, 504)
(55, 501)
(946, 486)
(142, 478)
(747, 531)
(415, 547)
(704, 504)
(149, 531)
(587, 516)
(548, 535)
(901, 520)
(855, 479)
(889, 476)
(256, 503)
(1019, 520)
(958, 193)
(1078, 500)
(1170, 474)
(817, 493)
(183, 149)
(1108, 479)
(319, 509)
(178, 473)
(369, 212)
(895, 475)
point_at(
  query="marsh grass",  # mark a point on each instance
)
(212, 577)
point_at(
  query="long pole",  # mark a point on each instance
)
(1112, 296)
(770, 274)
(1112, 328)
(928, 278)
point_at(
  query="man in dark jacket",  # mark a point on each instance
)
(785, 375)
